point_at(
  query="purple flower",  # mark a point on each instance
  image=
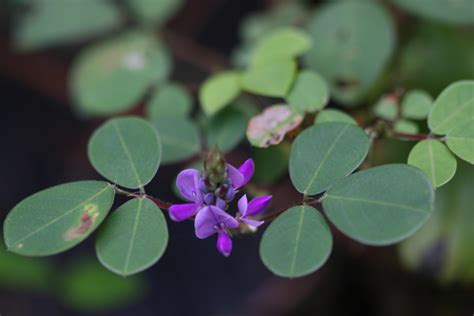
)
(211, 220)
(254, 207)
(188, 185)
(241, 176)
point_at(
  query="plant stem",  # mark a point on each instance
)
(411, 136)
(161, 204)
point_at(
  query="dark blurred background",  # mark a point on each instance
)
(44, 142)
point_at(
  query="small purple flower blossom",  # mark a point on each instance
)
(188, 185)
(210, 198)
(211, 220)
(252, 208)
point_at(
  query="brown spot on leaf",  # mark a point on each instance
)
(88, 217)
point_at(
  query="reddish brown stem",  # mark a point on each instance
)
(161, 204)
(410, 136)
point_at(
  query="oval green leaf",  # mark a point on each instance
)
(453, 107)
(309, 92)
(218, 91)
(133, 238)
(354, 41)
(381, 205)
(435, 159)
(297, 243)
(272, 79)
(179, 138)
(331, 115)
(416, 104)
(113, 76)
(283, 43)
(53, 22)
(126, 151)
(169, 100)
(406, 127)
(453, 12)
(461, 141)
(58, 218)
(325, 153)
(155, 11)
(387, 108)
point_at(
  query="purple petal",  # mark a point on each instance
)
(235, 176)
(252, 222)
(187, 184)
(224, 244)
(242, 205)
(180, 212)
(220, 203)
(209, 198)
(258, 204)
(247, 169)
(212, 219)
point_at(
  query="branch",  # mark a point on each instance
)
(411, 136)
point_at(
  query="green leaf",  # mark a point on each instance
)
(271, 126)
(406, 127)
(155, 11)
(179, 138)
(309, 92)
(134, 237)
(218, 91)
(283, 43)
(126, 151)
(227, 128)
(453, 107)
(461, 141)
(87, 286)
(58, 218)
(434, 158)
(297, 243)
(387, 108)
(353, 42)
(270, 163)
(416, 104)
(169, 100)
(325, 153)
(453, 12)
(113, 76)
(272, 79)
(52, 22)
(331, 115)
(381, 205)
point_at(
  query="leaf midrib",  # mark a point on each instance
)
(127, 153)
(297, 240)
(132, 237)
(325, 158)
(449, 117)
(376, 202)
(60, 217)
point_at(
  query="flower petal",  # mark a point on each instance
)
(224, 243)
(187, 184)
(235, 176)
(220, 203)
(247, 169)
(258, 204)
(252, 222)
(180, 212)
(242, 205)
(204, 224)
(212, 219)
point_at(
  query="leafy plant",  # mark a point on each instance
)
(338, 54)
